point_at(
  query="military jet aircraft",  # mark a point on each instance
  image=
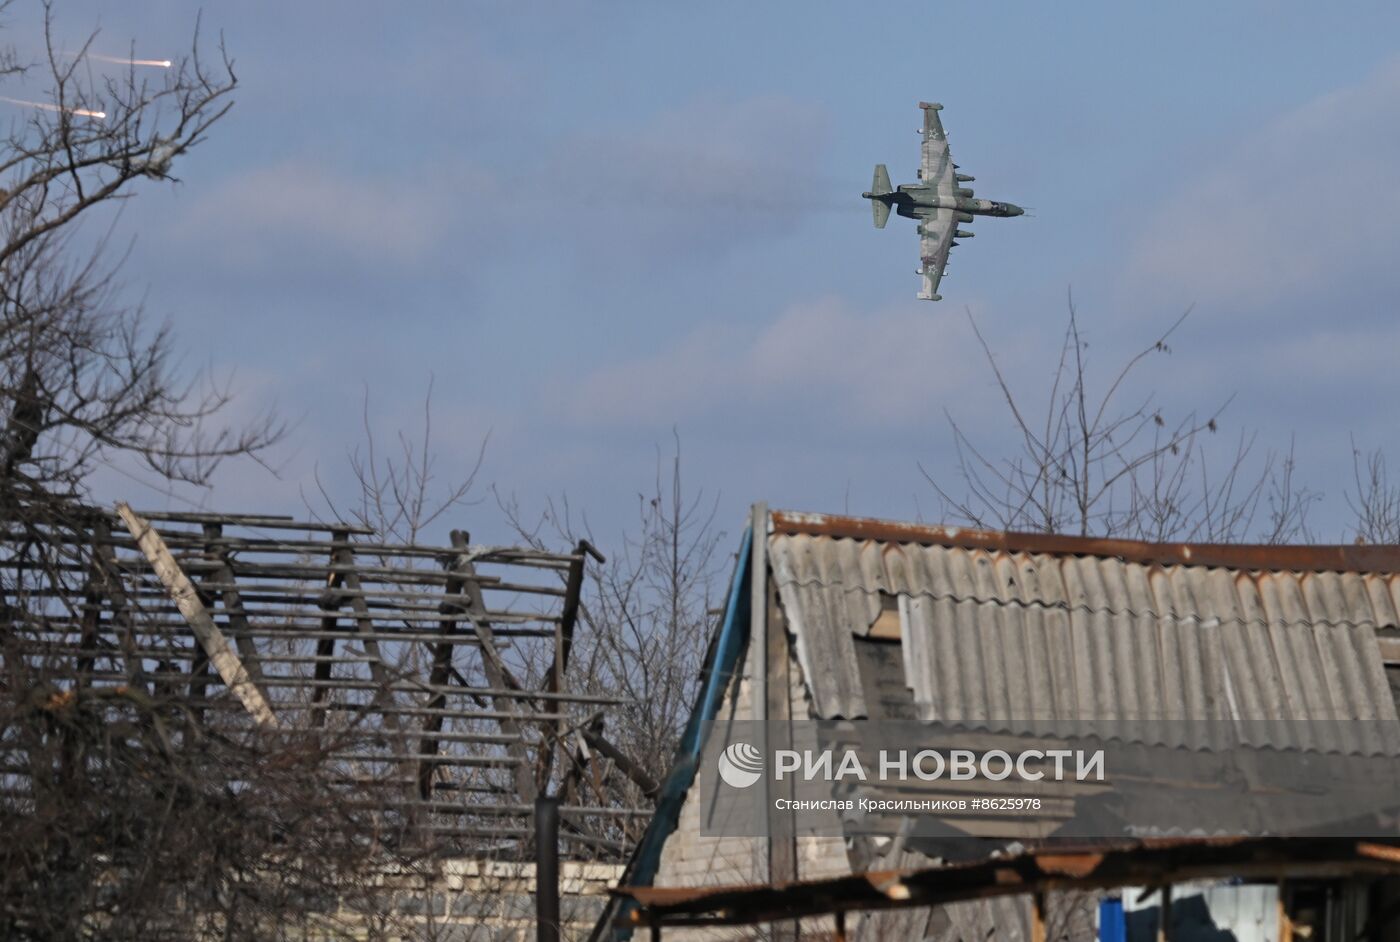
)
(937, 201)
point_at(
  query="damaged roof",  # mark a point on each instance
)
(1015, 631)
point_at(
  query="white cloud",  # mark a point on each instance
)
(315, 208)
(698, 176)
(819, 364)
(702, 175)
(754, 155)
(1309, 200)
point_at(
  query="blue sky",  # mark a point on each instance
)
(592, 224)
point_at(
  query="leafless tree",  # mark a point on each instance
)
(127, 815)
(404, 495)
(1375, 507)
(128, 810)
(397, 492)
(83, 380)
(648, 614)
(1109, 461)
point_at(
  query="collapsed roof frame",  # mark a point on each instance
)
(454, 658)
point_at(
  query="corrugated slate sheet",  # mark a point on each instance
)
(1049, 639)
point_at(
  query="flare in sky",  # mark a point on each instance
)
(122, 60)
(80, 112)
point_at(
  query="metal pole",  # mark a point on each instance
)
(547, 869)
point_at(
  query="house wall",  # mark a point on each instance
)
(468, 901)
(690, 858)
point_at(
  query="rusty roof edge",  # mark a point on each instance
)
(1136, 862)
(1339, 557)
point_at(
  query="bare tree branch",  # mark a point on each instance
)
(1092, 464)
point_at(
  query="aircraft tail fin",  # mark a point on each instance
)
(878, 188)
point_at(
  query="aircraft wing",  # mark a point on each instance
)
(936, 231)
(936, 163)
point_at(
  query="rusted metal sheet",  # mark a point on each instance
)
(1147, 862)
(1315, 558)
(1000, 634)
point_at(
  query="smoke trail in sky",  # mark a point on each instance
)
(122, 60)
(80, 112)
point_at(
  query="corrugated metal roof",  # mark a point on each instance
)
(1044, 638)
(1344, 557)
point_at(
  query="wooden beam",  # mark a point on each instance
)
(771, 637)
(758, 653)
(186, 599)
(782, 826)
(497, 673)
(227, 592)
(364, 628)
(120, 602)
(92, 613)
(438, 676)
(639, 777)
(1285, 917)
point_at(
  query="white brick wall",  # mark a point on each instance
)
(470, 901)
(690, 858)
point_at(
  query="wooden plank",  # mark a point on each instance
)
(384, 686)
(887, 626)
(120, 603)
(182, 591)
(758, 653)
(438, 676)
(497, 673)
(1037, 917)
(325, 646)
(782, 825)
(93, 605)
(649, 786)
(563, 644)
(235, 616)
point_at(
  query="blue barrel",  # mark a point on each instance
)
(1112, 926)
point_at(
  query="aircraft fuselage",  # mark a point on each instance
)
(911, 200)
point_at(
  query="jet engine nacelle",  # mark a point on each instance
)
(964, 191)
(963, 217)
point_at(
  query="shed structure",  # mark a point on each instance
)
(440, 675)
(1187, 649)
